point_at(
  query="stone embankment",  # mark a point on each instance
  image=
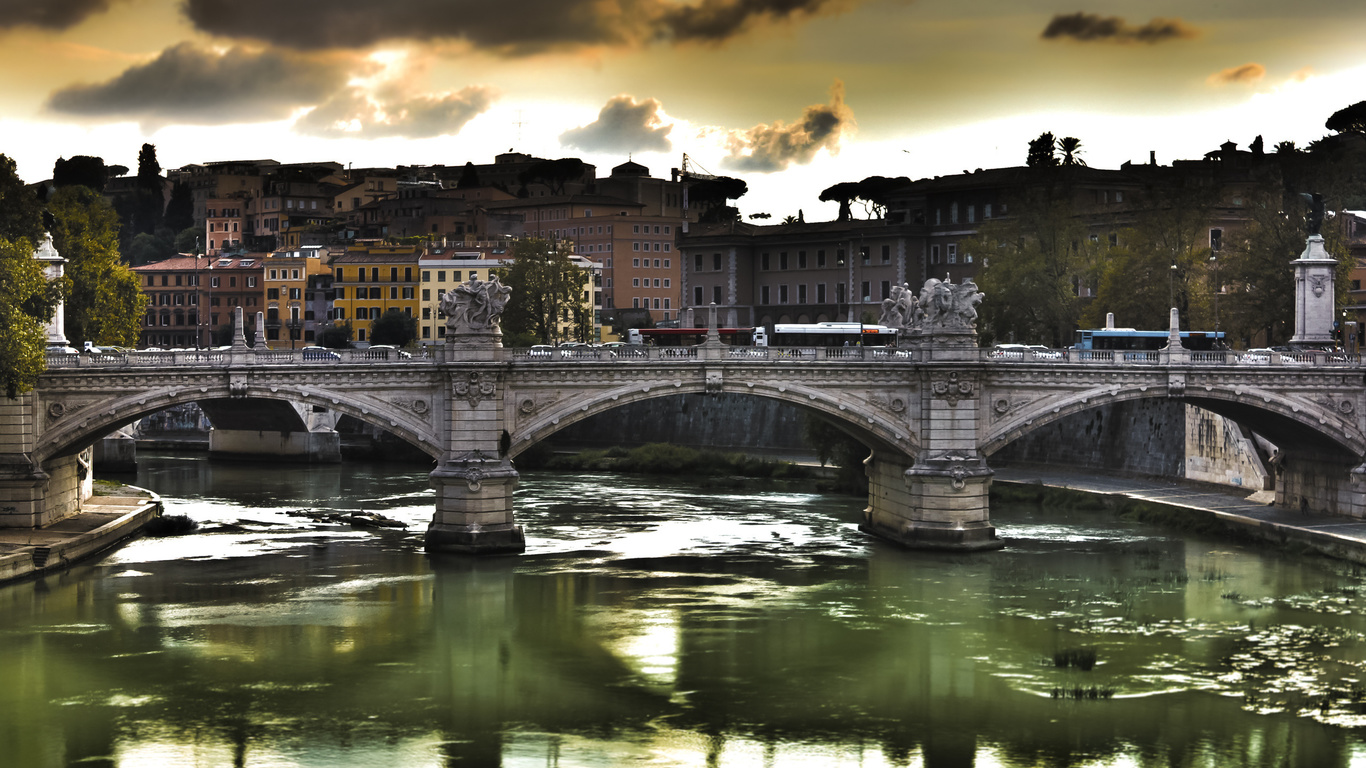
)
(104, 522)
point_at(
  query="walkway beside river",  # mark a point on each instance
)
(1338, 537)
(103, 522)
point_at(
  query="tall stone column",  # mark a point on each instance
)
(475, 481)
(941, 500)
(1314, 305)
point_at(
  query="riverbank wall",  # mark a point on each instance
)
(104, 522)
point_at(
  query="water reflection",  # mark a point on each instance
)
(652, 623)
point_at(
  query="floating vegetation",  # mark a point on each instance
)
(1081, 658)
(1079, 692)
(1234, 596)
(170, 525)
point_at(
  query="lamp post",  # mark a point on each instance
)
(1218, 289)
(1171, 285)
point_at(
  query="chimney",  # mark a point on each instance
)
(1152, 157)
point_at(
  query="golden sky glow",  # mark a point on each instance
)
(792, 95)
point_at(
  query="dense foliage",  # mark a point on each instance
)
(548, 302)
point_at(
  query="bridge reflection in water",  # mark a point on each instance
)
(653, 622)
(931, 414)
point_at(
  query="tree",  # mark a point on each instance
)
(28, 299)
(180, 208)
(546, 287)
(1162, 261)
(148, 248)
(105, 302)
(843, 193)
(149, 198)
(336, 335)
(82, 170)
(394, 327)
(1041, 152)
(469, 177)
(1350, 119)
(1070, 147)
(712, 195)
(188, 240)
(1032, 266)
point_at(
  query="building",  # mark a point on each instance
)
(224, 224)
(288, 275)
(370, 279)
(441, 272)
(181, 287)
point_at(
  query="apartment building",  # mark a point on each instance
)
(370, 279)
(191, 299)
(288, 275)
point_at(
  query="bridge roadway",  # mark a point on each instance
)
(931, 415)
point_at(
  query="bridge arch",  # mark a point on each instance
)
(879, 428)
(1293, 424)
(68, 432)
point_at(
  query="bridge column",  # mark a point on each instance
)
(475, 482)
(937, 503)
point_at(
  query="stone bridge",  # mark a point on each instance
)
(932, 413)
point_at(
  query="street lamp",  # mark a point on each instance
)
(1171, 285)
(1218, 289)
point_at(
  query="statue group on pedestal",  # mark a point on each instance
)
(475, 305)
(941, 306)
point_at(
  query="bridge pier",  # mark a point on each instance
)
(939, 504)
(474, 514)
(1320, 482)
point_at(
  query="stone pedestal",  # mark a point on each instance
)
(939, 504)
(1314, 298)
(474, 514)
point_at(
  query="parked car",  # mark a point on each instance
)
(61, 349)
(320, 353)
(386, 352)
(542, 350)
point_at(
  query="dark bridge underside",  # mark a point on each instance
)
(250, 415)
(1286, 433)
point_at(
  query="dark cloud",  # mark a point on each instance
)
(48, 14)
(520, 28)
(623, 125)
(1090, 27)
(768, 148)
(352, 113)
(189, 85)
(1250, 72)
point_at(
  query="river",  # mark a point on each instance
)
(669, 623)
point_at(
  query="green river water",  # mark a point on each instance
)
(658, 622)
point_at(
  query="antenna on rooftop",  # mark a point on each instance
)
(519, 123)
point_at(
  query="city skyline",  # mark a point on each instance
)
(790, 95)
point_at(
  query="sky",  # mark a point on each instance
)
(790, 95)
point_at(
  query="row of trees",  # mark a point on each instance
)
(103, 301)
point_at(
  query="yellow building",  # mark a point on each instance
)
(372, 279)
(287, 275)
(440, 273)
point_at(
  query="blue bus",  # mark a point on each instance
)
(1131, 339)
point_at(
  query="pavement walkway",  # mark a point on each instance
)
(1252, 511)
(103, 522)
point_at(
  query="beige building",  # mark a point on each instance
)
(287, 279)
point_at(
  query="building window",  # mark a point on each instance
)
(716, 262)
(666, 282)
(763, 295)
(934, 254)
(801, 293)
(782, 260)
(697, 262)
(635, 246)
(635, 282)
(863, 252)
(886, 254)
(697, 295)
(952, 253)
(972, 213)
(986, 211)
(635, 263)
(820, 293)
(1216, 240)
(820, 259)
(341, 293)
(716, 294)
(656, 282)
(886, 290)
(763, 264)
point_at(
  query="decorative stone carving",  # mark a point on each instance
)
(56, 411)
(951, 389)
(529, 405)
(713, 383)
(473, 389)
(901, 310)
(891, 403)
(944, 306)
(475, 305)
(416, 406)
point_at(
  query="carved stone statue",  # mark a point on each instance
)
(901, 310)
(475, 305)
(1314, 221)
(944, 306)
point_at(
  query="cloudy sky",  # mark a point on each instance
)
(791, 95)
